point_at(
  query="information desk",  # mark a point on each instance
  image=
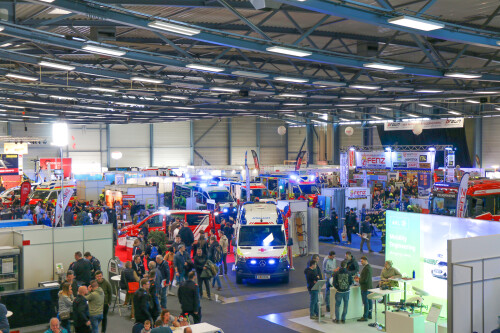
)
(398, 322)
(355, 307)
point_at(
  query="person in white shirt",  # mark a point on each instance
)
(329, 266)
(104, 217)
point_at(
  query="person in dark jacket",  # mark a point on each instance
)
(187, 237)
(180, 264)
(189, 297)
(4, 322)
(350, 224)
(145, 231)
(82, 268)
(128, 275)
(352, 265)
(96, 264)
(200, 260)
(108, 294)
(335, 227)
(68, 217)
(70, 279)
(154, 292)
(311, 279)
(342, 281)
(81, 316)
(164, 271)
(365, 283)
(366, 234)
(138, 267)
(142, 303)
(315, 258)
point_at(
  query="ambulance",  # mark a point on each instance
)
(48, 192)
(261, 243)
(257, 190)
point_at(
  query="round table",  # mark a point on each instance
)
(9, 314)
(117, 279)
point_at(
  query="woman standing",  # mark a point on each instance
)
(65, 306)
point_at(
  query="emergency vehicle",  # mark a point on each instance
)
(261, 243)
(201, 192)
(483, 199)
(49, 191)
(257, 190)
(196, 220)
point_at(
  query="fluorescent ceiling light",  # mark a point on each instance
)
(228, 90)
(415, 23)
(129, 104)
(463, 75)
(6, 45)
(425, 105)
(375, 117)
(21, 77)
(288, 51)
(294, 104)
(384, 108)
(96, 108)
(250, 74)
(351, 98)
(293, 95)
(290, 79)
(413, 115)
(429, 91)
(33, 102)
(406, 99)
(350, 111)
(239, 102)
(345, 104)
(103, 89)
(330, 83)
(360, 86)
(56, 65)
(472, 101)
(174, 97)
(486, 92)
(66, 111)
(455, 113)
(63, 97)
(48, 1)
(175, 28)
(205, 68)
(146, 79)
(387, 67)
(59, 11)
(103, 50)
(183, 108)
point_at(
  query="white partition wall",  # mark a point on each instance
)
(474, 284)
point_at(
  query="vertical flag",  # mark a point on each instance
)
(247, 174)
(462, 195)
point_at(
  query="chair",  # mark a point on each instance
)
(375, 297)
(421, 293)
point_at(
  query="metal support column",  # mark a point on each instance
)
(191, 142)
(478, 140)
(286, 143)
(229, 143)
(108, 146)
(367, 133)
(9, 128)
(257, 136)
(310, 142)
(151, 145)
(336, 144)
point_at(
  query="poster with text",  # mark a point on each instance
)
(9, 165)
(55, 163)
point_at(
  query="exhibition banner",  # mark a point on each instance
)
(25, 191)
(62, 203)
(55, 163)
(357, 193)
(424, 184)
(15, 148)
(255, 159)
(393, 160)
(462, 195)
(298, 160)
(11, 164)
(425, 124)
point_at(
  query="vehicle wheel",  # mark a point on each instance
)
(286, 279)
(239, 279)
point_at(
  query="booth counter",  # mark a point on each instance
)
(355, 307)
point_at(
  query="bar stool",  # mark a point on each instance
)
(375, 298)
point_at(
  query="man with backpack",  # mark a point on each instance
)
(342, 281)
(215, 253)
(163, 269)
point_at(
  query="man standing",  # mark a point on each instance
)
(365, 283)
(142, 303)
(180, 264)
(335, 226)
(215, 253)
(164, 271)
(329, 265)
(68, 217)
(311, 279)
(187, 238)
(189, 297)
(4, 322)
(352, 265)
(366, 234)
(224, 243)
(83, 269)
(96, 264)
(70, 279)
(96, 305)
(342, 281)
(138, 267)
(81, 317)
(103, 219)
(108, 292)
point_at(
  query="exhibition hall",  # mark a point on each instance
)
(241, 166)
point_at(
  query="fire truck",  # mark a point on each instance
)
(482, 200)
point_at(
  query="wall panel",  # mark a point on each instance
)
(169, 135)
(296, 136)
(356, 139)
(130, 135)
(132, 157)
(171, 156)
(491, 138)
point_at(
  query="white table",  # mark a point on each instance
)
(398, 322)
(200, 328)
(386, 293)
(405, 281)
(355, 309)
(117, 278)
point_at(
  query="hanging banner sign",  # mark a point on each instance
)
(25, 192)
(55, 163)
(426, 124)
(357, 193)
(11, 165)
(62, 203)
(462, 195)
(394, 160)
(15, 148)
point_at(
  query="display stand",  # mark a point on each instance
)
(318, 286)
(434, 313)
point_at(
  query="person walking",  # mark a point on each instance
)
(65, 303)
(68, 217)
(311, 279)
(329, 266)
(342, 281)
(351, 225)
(180, 264)
(108, 293)
(189, 297)
(96, 305)
(215, 253)
(224, 243)
(365, 283)
(154, 292)
(366, 234)
(335, 227)
(142, 304)
(81, 316)
(164, 271)
(200, 261)
(187, 237)
(128, 275)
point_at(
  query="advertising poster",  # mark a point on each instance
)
(393, 160)
(55, 163)
(424, 184)
(426, 124)
(10, 164)
(15, 148)
(25, 191)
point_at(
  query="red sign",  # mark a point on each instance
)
(55, 163)
(129, 196)
(25, 191)
(26, 242)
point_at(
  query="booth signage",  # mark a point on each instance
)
(396, 160)
(11, 165)
(357, 193)
(62, 202)
(426, 124)
(25, 191)
(128, 196)
(15, 148)
(424, 165)
(55, 163)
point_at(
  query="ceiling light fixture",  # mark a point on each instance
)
(63, 97)
(183, 108)
(288, 51)
(205, 68)
(293, 95)
(382, 66)
(415, 23)
(455, 113)
(174, 97)
(146, 79)
(103, 89)
(56, 65)
(34, 102)
(21, 77)
(472, 101)
(384, 108)
(59, 11)
(175, 28)
(103, 50)
(352, 98)
(375, 117)
(290, 79)
(294, 104)
(221, 89)
(329, 83)
(463, 75)
(6, 45)
(250, 74)
(425, 105)
(413, 115)
(406, 99)
(486, 92)
(429, 91)
(360, 86)
(350, 111)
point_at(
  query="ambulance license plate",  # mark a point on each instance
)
(263, 277)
